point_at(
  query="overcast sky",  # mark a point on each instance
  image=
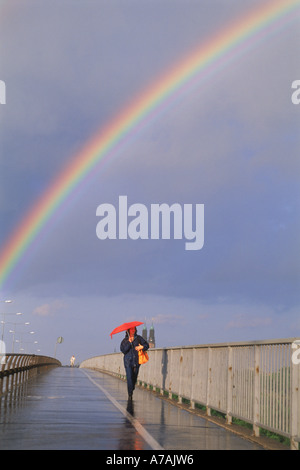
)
(231, 143)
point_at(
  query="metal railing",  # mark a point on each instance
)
(257, 382)
(15, 369)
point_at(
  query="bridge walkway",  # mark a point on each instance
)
(77, 409)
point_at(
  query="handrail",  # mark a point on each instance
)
(258, 381)
(17, 368)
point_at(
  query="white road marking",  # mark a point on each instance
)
(140, 429)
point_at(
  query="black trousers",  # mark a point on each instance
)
(131, 374)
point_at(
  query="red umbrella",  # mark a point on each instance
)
(125, 327)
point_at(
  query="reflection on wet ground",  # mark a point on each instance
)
(129, 438)
(11, 402)
(62, 409)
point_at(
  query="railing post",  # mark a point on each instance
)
(229, 386)
(8, 366)
(208, 384)
(180, 378)
(163, 371)
(170, 384)
(192, 401)
(156, 370)
(294, 410)
(256, 391)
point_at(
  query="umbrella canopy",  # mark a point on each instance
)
(125, 327)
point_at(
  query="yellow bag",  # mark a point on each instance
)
(143, 357)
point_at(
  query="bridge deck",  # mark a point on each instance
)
(81, 409)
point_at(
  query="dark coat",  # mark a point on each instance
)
(131, 356)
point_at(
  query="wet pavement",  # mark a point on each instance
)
(76, 409)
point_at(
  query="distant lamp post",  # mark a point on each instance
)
(21, 341)
(14, 332)
(58, 341)
(3, 321)
(28, 342)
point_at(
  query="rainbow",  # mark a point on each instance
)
(234, 39)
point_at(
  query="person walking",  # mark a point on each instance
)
(131, 344)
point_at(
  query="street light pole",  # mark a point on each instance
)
(21, 338)
(3, 321)
(14, 332)
(58, 341)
